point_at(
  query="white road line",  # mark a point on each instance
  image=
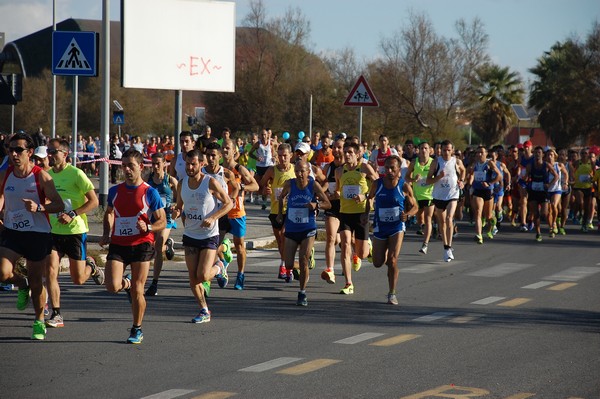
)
(433, 317)
(428, 267)
(574, 273)
(539, 284)
(171, 393)
(271, 364)
(358, 338)
(488, 300)
(500, 270)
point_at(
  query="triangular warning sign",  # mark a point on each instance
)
(118, 120)
(73, 59)
(361, 95)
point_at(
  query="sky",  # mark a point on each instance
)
(520, 31)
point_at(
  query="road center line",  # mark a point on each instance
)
(539, 284)
(358, 338)
(271, 364)
(308, 367)
(561, 286)
(398, 339)
(433, 317)
(488, 300)
(171, 393)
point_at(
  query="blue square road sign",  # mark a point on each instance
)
(74, 53)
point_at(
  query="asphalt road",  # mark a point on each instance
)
(508, 319)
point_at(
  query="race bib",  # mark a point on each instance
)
(381, 170)
(192, 213)
(163, 200)
(584, 178)
(20, 220)
(537, 186)
(523, 173)
(349, 192)
(423, 182)
(479, 176)
(332, 187)
(126, 226)
(278, 192)
(298, 215)
(389, 215)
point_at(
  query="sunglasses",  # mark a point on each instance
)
(53, 151)
(18, 150)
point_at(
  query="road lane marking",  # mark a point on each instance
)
(271, 364)
(465, 319)
(308, 367)
(514, 302)
(561, 286)
(540, 284)
(358, 338)
(433, 317)
(500, 270)
(171, 393)
(216, 395)
(523, 395)
(574, 273)
(428, 267)
(488, 300)
(450, 391)
(398, 339)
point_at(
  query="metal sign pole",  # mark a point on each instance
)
(360, 123)
(74, 133)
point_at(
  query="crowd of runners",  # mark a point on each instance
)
(368, 197)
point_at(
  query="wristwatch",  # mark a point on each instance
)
(39, 208)
(72, 214)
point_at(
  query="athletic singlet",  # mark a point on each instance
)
(166, 193)
(499, 186)
(180, 167)
(352, 183)
(583, 176)
(332, 186)
(220, 177)
(481, 174)
(264, 158)
(446, 188)
(197, 204)
(421, 189)
(130, 204)
(524, 162)
(539, 176)
(389, 205)
(299, 218)
(379, 158)
(71, 184)
(557, 187)
(323, 160)
(279, 178)
(238, 209)
(16, 189)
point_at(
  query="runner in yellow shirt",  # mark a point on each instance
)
(69, 228)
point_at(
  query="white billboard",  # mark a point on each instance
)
(178, 45)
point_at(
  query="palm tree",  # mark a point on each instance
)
(495, 89)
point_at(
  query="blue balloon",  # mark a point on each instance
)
(300, 134)
(285, 135)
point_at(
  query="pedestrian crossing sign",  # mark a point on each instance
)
(74, 53)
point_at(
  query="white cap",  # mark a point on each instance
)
(303, 147)
(41, 152)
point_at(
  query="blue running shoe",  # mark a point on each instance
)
(239, 282)
(135, 336)
(302, 301)
(203, 317)
(128, 290)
